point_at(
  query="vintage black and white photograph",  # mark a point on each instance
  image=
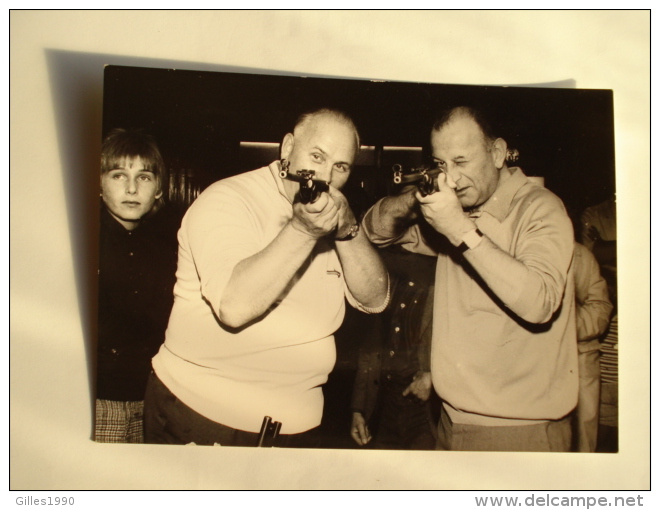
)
(378, 243)
(305, 262)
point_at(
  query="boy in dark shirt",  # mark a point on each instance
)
(137, 265)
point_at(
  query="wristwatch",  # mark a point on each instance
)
(353, 232)
(470, 240)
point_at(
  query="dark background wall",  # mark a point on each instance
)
(199, 118)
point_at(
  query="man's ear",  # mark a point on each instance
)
(287, 145)
(499, 152)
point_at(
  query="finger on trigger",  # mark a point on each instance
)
(419, 197)
(320, 204)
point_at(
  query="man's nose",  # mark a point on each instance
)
(324, 173)
(453, 176)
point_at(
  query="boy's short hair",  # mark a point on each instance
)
(121, 144)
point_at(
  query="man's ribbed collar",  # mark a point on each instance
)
(499, 204)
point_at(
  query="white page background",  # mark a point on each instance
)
(49, 384)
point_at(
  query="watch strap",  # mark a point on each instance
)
(470, 240)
